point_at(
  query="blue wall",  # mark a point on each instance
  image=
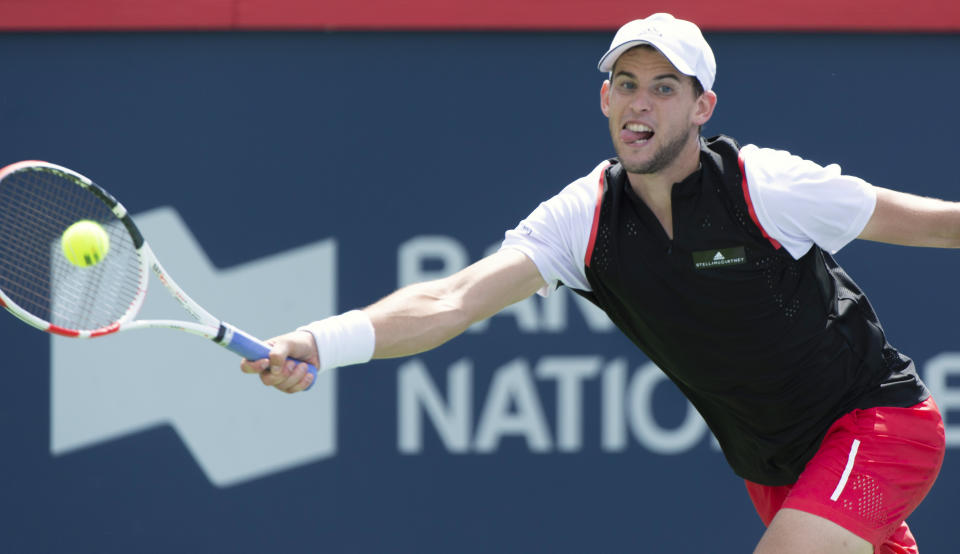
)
(266, 142)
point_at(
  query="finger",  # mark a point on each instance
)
(254, 366)
(271, 379)
(293, 373)
(305, 381)
(282, 378)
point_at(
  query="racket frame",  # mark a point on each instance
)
(205, 325)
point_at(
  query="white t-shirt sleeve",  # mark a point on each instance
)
(800, 203)
(555, 235)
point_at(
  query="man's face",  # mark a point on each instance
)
(652, 110)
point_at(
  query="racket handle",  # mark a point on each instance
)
(253, 349)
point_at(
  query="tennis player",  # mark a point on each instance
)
(688, 241)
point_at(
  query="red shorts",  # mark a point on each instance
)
(872, 469)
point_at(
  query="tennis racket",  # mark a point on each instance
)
(39, 285)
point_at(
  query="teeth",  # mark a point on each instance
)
(638, 128)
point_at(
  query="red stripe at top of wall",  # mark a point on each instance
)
(411, 15)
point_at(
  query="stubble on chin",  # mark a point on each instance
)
(662, 158)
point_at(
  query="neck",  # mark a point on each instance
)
(655, 188)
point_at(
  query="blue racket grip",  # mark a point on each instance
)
(252, 349)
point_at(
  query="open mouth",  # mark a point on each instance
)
(636, 133)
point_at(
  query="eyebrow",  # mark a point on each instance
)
(657, 78)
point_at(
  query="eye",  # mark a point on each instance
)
(626, 84)
(664, 89)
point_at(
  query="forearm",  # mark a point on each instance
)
(425, 315)
(417, 318)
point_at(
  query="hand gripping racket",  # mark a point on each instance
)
(39, 285)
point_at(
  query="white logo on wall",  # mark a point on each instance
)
(114, 386)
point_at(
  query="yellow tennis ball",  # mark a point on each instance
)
(85, 243)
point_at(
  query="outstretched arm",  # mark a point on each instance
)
(415, 318)
(425, 315)
(906, 219)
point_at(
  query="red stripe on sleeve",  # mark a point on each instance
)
(753, 213)
(596, 218)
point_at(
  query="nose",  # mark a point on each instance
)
(640, 102)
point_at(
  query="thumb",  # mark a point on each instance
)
(279, 352)
(299, 345)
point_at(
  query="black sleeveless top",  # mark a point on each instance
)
(769, 349)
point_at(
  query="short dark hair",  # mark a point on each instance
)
(697, 87)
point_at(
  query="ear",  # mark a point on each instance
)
(703, 110)
(605, 98)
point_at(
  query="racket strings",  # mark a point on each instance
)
(36, 206)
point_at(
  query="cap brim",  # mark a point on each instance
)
(610, 58)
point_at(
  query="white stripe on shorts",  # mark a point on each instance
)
(846, 471)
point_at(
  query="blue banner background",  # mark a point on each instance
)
(267, 141)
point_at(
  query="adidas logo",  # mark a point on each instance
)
(718, 257)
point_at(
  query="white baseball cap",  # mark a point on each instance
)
(679, 41)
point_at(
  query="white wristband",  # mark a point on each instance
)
(344, 339)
